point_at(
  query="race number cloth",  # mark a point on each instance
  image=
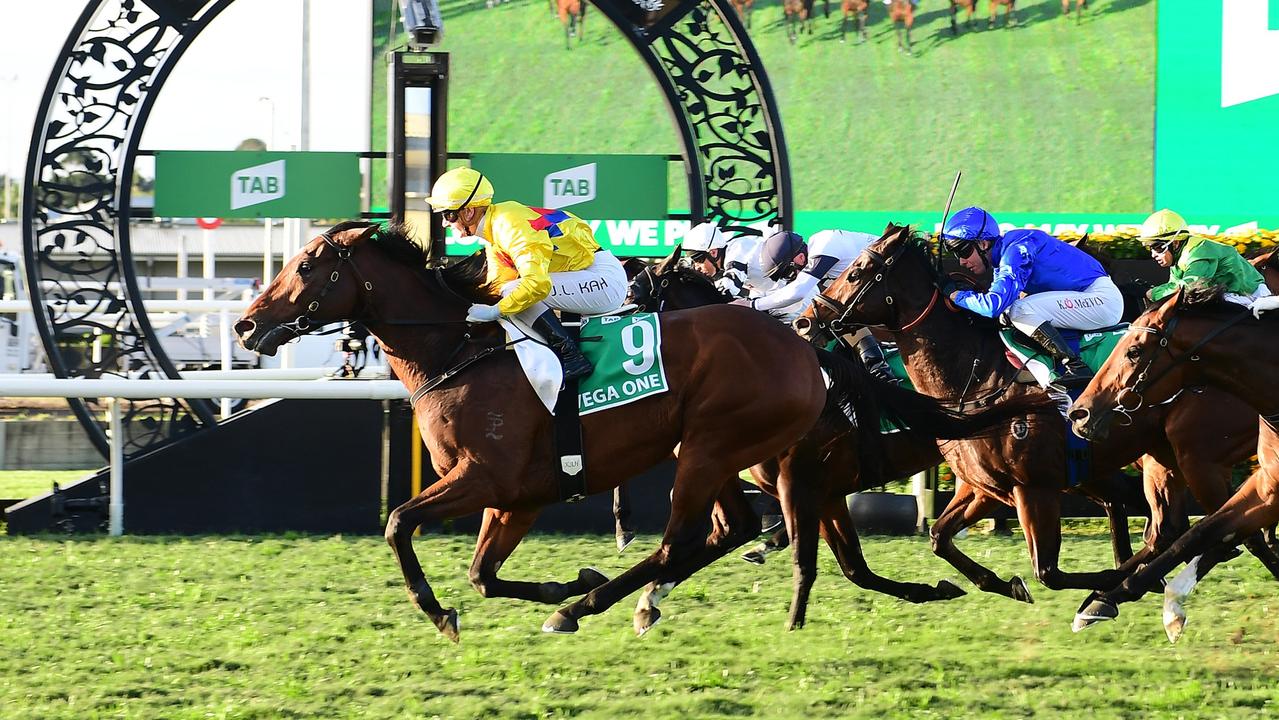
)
(626, 351)
(1093, 349)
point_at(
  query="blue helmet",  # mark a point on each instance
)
(968, 226)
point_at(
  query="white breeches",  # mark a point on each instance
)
(597, 289)
(1247, 300)
(1101, 305)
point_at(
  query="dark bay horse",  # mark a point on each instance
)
(893, 286)
(665, 287)
(1192, 338)
(356, 272)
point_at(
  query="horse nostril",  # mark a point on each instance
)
(802, 324)
(1078, 415)
(244, 327)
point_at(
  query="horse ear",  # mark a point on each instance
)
(668, 264)
(351, 237)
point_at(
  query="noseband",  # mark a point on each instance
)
(882, 265)
(303, 324)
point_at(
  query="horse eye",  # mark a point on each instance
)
(304, 267)
(1134, 352)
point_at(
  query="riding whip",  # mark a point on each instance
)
(946, 215)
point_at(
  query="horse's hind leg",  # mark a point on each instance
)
(841, 535)
(500, 533)
(861, 26)
(798, 485)
(623, 530)
(966, 508)
(1039, 511)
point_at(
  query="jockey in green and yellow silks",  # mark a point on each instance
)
(1191, 258)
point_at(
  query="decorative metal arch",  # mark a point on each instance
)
(80, 168)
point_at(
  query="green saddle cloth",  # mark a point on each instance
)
(1093, 348)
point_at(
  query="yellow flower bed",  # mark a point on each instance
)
(1124, 245)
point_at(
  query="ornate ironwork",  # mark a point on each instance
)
(76, 208)
(718, 91)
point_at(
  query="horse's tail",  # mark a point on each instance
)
(869, 401)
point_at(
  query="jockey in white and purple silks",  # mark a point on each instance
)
(1064, 286)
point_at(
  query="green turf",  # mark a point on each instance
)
(1048, 116)
(27, 483)
(321, 628)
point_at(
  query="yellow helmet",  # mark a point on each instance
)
(1163, 226)
(459, 188)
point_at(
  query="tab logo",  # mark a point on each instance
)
(573, 186)
(258, 184)
(1249, 52)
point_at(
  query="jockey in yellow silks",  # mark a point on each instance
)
(553, 254)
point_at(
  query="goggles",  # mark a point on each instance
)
(1163, 243)
(961, 251)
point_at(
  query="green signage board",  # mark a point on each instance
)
(256, 184)
(1217, 110)
(589, 186)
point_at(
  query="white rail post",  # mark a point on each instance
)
(116, 507)
(267, 260)
(923, 499)
(210, 272)
(224, 342)
(182, 264)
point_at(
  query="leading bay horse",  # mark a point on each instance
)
(893, 286)
(1190, 339)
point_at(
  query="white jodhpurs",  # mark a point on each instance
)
(1247, 300)
(597, 289)
(1099, 306)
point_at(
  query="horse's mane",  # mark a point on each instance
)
(393, 239)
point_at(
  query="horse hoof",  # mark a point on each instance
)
(947, 590)
(754, 557)
(624, 539)
(448, 625)
(795, 624)
(645, 619)
(1174, 621)
(1020, 592)
(1093, 611)
(591, 578)
(559, 624)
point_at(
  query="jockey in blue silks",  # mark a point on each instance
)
(1064, 286)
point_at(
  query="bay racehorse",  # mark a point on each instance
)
(572, 14)
(901, 13)
(854, 9)
(1190, 339)
(744, 8)
(668, 287)
(1079, 9)
(894, 286)
(1010, 12)
(799, 18)
(969, 6)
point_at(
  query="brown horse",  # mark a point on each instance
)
(1010, 12)
(844, 470)
(1079, 9)
(572, 14)
(893, 286)
(744, 8)
(902, 15)
(1190, 339)
(799, 18)
(417, 315)
(858, 9)
(970, 6)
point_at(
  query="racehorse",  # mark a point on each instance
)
(799, 18)
(666, 287)
(893, 286)
(1010, 12)
(955, 5)
(901, 13)
(1192, 338)
(1079, 9)
(854, 8)
(744, 8)
(572, 14)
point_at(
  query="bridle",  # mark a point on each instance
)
(881, 265)
(303, 324)
(1144, 379)
(648, 288)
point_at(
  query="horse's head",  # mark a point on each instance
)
(1164, 351)
(669, 286)
(891, 285)
(339, 276)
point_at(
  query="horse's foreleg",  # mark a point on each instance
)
(798, 485)
(776, 542)
(954, 13)
(623, 530)
(843, 28)
(1208, 479)
(967, 507)
(733, 523)
(1039, 512)
(500, 533)
(861, 25)
(841, 536)
(450, 496)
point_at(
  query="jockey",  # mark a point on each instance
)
(558, 264)
(1191, 258)
(705, 244)
(801, 269)
(1065, 287)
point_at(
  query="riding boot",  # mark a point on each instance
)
(1076, 374)
(872, 356)
(575, 363)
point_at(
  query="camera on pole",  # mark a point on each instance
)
(422, 22)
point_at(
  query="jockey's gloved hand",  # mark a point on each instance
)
(480, 313)
(1264, 304)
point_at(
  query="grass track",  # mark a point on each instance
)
(284, 627)
(27, 483)
(1048, 116)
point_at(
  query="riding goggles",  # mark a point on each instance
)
(1163, 243)
(451, 214)
(961, 250)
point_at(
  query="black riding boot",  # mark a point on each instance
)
(872, 356)
(575, 363)
(1077, 374)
